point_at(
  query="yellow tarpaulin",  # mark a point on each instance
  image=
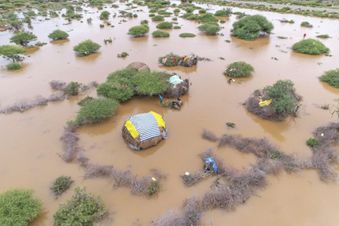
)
(131, 129)
(264, 103)
(159, 119)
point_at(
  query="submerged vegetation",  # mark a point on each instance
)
(60, 185)
(95, 110)
(160, 34)
(86, 48)
(239, 69)
(58, 35)
(274, 102)
(82, 209)
(331, 77)
(138, 31)
(23, 38)
(209, 28)
(18, 207)
(311, 47)
(252, 27)
(124, 84)
(231, 187)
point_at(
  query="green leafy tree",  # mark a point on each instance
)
(23, 38)
(86, 48)
(12, 52)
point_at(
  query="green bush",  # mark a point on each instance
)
(118, 85)
(153, 188)
(310, 46)
(72, 89)
(283, 96)
(12, 52)
(160, 34)
(61, 184)
(207, 18)
(165, 25)
(187, 35)
(223, 12)
(23, 38)
(104, 15)
(239, 69)
(306, 24)
(138, 31)
(209, 28)
(82, 209)
(324, 36)
(251, 27)
(13, 66)
(18, 208)
(58, 35)
(331, 77)
(96, 110)
(150, 83)
(86, 48)
(157, 18)
(312, 142)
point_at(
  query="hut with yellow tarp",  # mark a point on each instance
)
(144, 130)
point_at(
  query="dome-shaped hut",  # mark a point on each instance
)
(144, 130)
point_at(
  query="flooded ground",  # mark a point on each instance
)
(30, 145)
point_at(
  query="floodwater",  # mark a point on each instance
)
(30, 145)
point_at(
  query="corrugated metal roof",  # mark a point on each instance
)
(146, 125)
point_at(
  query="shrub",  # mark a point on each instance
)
(82, 209)
(118, 85)
(165, 25)
(223, 12)
(324, 36)
(331, 77)
(58, 35)
(312, 142)
(310, 46)
(207, 18)
(239, 69)
(18, 207)
(72, 89)
(138, 31)
(12, 52)
(283, 97)
(104, 15)
(13, 66)
(160, 34)
(251, 27)
(209, 28)
(86, 48)
(157, 18)
(306, 24)
(150, 83)
(23, 38)
(96, 110)
(61, 184)
(153, 188)
(187, 35)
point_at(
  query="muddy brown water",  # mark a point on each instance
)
(30, 145)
